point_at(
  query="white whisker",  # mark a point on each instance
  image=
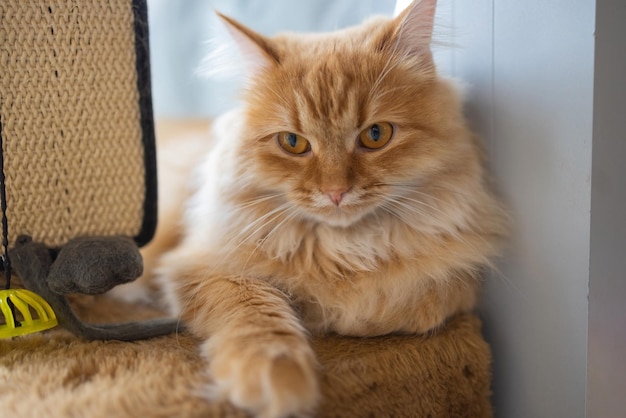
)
(290, 214)
(256, 222)
(259, 200)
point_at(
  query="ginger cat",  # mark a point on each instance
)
(346, 195)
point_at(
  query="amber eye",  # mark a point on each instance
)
(293, 143)
(376, 136)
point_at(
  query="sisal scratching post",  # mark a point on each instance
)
(76, 113)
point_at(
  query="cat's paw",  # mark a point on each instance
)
(269, 379)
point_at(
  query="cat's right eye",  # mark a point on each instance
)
(293, 143)
(376, 136)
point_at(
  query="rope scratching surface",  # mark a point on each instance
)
(75, 109)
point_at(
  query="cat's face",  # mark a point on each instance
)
(344, 123)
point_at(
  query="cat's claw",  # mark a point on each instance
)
(268, 380)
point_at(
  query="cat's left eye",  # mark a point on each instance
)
(293, 143)
(376, 136)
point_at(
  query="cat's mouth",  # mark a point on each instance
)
(339, 218)
(351, 210)
(356, 203)
(342, 217)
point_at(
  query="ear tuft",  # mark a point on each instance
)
(233, 44)
(414, 27)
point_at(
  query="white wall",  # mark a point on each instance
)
(531, 67)
(606, 380)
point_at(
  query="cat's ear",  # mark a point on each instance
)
(256, 49)
(413, 28)
(235, 51)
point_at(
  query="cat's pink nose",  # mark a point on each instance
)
(337, 195)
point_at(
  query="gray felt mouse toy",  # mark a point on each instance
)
(87, 265)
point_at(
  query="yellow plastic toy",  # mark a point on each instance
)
(13, 301)
(25, 302)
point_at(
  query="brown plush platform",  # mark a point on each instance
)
(56, 375)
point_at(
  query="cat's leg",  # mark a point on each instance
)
(258, 352)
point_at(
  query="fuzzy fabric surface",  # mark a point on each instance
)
(54, 374)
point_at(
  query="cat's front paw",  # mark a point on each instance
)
(269, 379)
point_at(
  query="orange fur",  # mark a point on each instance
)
(266, 254)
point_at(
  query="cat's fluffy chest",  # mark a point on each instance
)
(364, 280)
(360, 281)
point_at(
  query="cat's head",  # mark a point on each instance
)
(344, 122)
